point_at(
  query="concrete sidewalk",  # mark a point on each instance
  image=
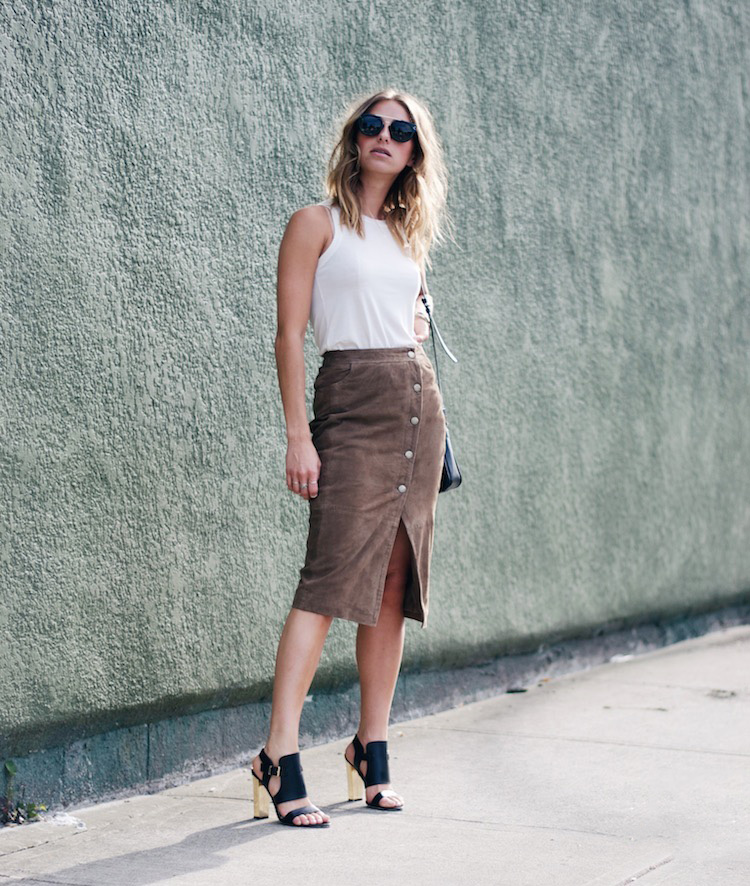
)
(636, 771)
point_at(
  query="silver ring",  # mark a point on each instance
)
(303, 486)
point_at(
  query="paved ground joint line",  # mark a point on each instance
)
(651, 867)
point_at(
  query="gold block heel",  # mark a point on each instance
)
(260, 799)
(354, 781)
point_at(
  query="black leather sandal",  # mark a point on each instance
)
(292, 787)
(376, 756)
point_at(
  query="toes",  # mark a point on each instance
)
(308, 818)
(387, 801)
(390, 801)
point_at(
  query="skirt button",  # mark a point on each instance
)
(414, 420)
(409, 453)
(417, 387)
(402, 488)
(410, 353)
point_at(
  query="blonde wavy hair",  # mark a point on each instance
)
(415, 205)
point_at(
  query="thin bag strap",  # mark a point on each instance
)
(433, 325)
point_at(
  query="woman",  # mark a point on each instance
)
(370, 461)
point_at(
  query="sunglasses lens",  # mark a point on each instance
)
(370, 125)
(402, 131)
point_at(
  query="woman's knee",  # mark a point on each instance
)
(308, 620)
(394, 589)
(400, 553)
(398, 570)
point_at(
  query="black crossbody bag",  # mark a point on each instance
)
(451, 477)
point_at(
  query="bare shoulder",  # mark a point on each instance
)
(310, 220)
(310, 228)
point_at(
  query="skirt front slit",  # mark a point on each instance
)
(379, 430)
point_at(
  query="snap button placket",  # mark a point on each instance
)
(414, 419)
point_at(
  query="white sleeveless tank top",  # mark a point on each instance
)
(365, 290)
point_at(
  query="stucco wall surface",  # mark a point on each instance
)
(596, 296)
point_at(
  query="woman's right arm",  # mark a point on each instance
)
(301, 245)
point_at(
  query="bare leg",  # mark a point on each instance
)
(297, 658)
(379, 652)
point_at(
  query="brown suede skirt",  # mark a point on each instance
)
(379, 430)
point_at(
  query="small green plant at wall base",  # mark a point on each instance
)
(16, 813)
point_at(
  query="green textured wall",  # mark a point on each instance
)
(597, 297)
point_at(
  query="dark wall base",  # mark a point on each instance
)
(153, 756)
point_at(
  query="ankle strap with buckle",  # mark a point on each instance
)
(292, 783)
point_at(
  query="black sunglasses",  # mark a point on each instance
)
(400, 130)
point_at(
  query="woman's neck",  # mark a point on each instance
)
(372, 194)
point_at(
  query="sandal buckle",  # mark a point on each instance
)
(271, 768)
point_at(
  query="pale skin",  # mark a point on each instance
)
(379, 648)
